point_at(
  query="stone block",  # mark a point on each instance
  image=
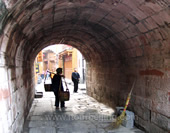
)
(154, 7)
(138, 14)
(129, 120)
(131, 31)
(160, 120)
(156, 129)
(161, 18)
(131, 3)
(143, 113)
(143, 39)
(124, 9)
(132, 19)
(150, 24)
(142, 123)
(164, 34)
(141, 27)
(147, 103)
(147, 10)
(162, 108)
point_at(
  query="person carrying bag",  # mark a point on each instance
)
(57, 87)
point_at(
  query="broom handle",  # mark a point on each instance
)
(132, 87)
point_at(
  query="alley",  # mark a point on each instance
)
(82, 115)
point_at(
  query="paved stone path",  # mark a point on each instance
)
(82, 115)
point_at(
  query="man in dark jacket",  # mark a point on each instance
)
(56, 85)
(75, 79)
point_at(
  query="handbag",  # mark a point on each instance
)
(64, 95)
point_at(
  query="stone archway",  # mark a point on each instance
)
(122, 40)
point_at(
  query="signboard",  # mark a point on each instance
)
(37, 68)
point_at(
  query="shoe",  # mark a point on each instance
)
(63, 107)
(56, 107)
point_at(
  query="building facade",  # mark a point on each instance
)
(70, 58)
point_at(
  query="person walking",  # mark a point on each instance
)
(75, 78)
(56, 85)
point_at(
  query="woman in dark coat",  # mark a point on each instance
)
(56, 84)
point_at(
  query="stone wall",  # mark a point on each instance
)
(150, 97)
(103, 81)
(16, 93)
(110, 84)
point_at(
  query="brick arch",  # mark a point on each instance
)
(122, 40)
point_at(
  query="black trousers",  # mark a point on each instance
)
(62, 103)
(75, 85)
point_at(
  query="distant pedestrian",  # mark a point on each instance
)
(56, 85)
(75, 79)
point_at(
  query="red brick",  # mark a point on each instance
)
(110, 19)
(97, 15)
(164, 33)
(150, 24)
(161, 18)
(116, 14)
(157, 35)
(131, 3)
(123, 9)
(138, 14)
(120, 26)
(150, 36)
(132, 19)
(48, 5)
(131, 31)
(139, 1)
(143, 39)
(104, 6)
(116, 28)
(148, 11)
(141, 27)
(154, 6)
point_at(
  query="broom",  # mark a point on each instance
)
(120, 118)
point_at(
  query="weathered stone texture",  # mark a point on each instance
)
(121, 41)
(160, 120)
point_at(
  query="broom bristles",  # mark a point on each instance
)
(120, 118)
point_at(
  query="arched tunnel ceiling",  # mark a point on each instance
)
(96, 27)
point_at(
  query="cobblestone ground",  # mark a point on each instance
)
(82, 115)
